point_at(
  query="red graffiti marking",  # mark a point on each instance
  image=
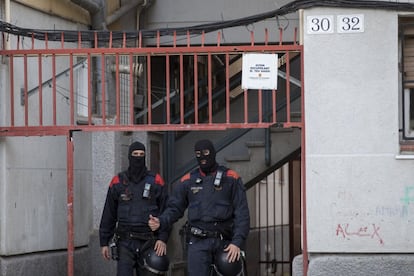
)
(367, 231)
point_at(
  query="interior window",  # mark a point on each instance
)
(406, 26)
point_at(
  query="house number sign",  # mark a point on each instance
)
(328, 24)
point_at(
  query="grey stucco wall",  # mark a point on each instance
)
(352, 138)
(171, 14)
(354, 177)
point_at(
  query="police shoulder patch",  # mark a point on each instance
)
(159, 180)
(114, 181)
(185, 177)
(233, 174)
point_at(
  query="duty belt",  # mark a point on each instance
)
(200, 233)
(136, 235)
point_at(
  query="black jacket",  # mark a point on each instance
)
(128, 209)
(220, 208)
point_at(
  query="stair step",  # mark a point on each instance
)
(255, 144)
(275, 129)
(235, 158)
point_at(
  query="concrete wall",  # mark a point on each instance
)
(33, 186)
(179, 13)
(356, 179)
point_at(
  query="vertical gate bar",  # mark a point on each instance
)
(202, 38)
(79, 40)
(280, 36)
(288, 115)
(140, 39)
(46, 41)
(260, 103)
(103, 90)
(227, 88)
(210, 90)
(62, 40)
(117, 90)
(303, 170)
(274, 106)
(273, 111)
(175, 39)
(181, 89)
(89, 90)
(245, 106)
(110, 40)
(95, 38)
(26, 100)
(188, 38)
(267, 250)
(291, 216)
(158, 39)
(131, 92)
(40, 83)
(39, 61)
(71, 92)
(69, 174)
(246, 113)
(32, 40)
(168, 88)
(195, 89)
(282, 240)
(54, 88)
(123, 40)
(259, 225)
(274, 213)
(218, 38)
(11, 90)
(149, 91)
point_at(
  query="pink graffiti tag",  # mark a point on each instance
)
(367, 231)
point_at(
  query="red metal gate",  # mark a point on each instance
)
(65, 84)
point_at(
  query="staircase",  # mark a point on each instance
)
(252, 166)
(252, 153)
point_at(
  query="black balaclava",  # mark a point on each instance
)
(211, 164)
(137, 166)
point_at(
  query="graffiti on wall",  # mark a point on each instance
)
(367, 231)
(408, 196)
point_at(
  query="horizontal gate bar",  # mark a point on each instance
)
(168, 88)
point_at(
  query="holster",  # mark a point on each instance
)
(200, 233)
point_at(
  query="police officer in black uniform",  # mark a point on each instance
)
(132, 196)
(218, 213)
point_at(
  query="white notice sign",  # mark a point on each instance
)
(259, 71)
